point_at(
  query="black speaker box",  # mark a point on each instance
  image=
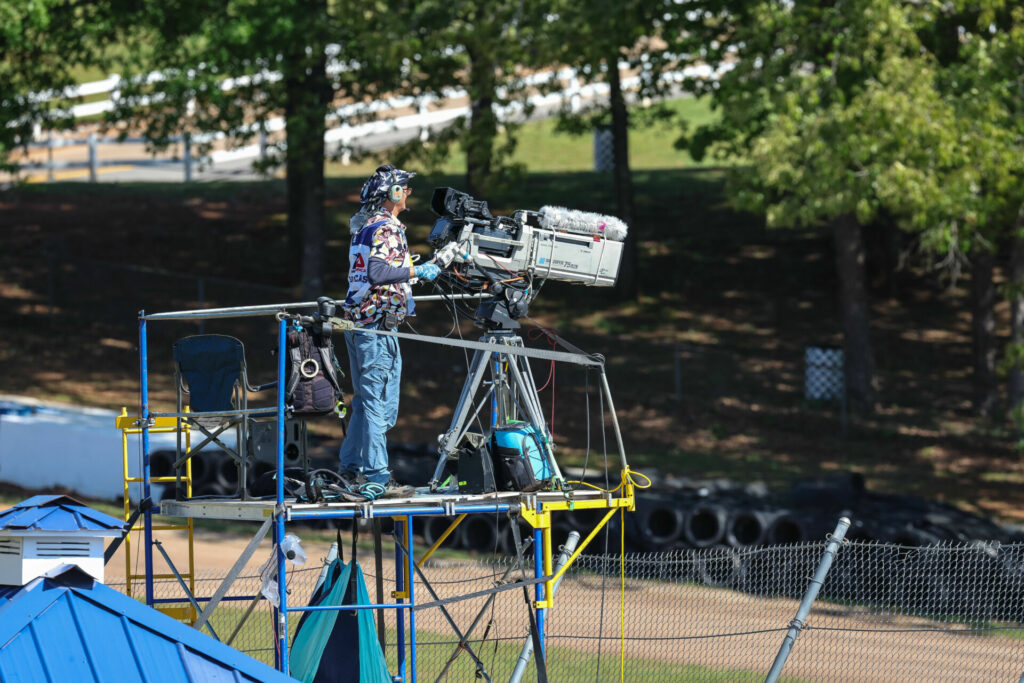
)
(263, 442)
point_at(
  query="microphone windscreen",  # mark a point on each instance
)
(571, 220)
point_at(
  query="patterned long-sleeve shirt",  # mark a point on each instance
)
(374, 291)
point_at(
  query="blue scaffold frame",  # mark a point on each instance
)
(533, 510)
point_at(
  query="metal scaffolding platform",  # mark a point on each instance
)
(535, 508)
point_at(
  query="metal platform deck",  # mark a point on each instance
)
(444, 504)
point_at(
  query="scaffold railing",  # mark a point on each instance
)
(534, 508)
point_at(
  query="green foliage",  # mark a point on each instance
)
(542, 147)
(881, 147)
(210, 66)
(986, 85)
(590, 36)
(486, 49)
(218, 62)
(829, 101)
(42, 43)
(868, 108)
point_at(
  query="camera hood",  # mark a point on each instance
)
(447, 201)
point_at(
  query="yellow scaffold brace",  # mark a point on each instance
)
(131, 425)
(441, 539)
(540, 518)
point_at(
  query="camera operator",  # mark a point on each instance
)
(379, 297)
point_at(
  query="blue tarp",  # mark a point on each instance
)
(335, 646)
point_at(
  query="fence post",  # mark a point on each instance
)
(186, 140)
(524, 655)
(424, 129)
(49, 156)
(93, 159)
(810, 595)
(263, 142)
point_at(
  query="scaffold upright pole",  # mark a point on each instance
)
(401, 531)
(615, 419)
(538, 572)
(282, 618)
(147, 519)
(410, 572)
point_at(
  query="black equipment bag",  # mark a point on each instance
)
(475, 469)
(519, 455)
(313, 385)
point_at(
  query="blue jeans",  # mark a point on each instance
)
(375, 363)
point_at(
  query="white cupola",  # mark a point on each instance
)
(44, 532)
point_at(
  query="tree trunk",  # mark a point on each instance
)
(849, 247)
(483, 122)
(983, 326)
(627, 283)
(308, 94)
(1016, 288)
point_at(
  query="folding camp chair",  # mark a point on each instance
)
(210, 369)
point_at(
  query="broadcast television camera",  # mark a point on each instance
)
(554, 243)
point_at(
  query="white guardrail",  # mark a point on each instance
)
(430, 113)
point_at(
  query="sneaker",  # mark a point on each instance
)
(351, 478)
(395, 490)
(346, 487)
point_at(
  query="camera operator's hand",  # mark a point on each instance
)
(427, 271)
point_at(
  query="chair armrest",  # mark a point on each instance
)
(261, 387)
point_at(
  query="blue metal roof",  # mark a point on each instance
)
(69, 627)
(56, 513)
(6, 592)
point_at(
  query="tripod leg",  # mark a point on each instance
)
(531, 397)
(499, 399)
(463, 428)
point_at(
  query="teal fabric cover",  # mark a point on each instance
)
(315, 630)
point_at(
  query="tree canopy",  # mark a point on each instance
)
(852, 113)
(208, 66)
(488, 50)
(41, 44)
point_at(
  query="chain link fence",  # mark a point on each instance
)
(884, 613)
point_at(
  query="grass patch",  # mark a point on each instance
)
(542, 149)
(88, 74)
(433, 648)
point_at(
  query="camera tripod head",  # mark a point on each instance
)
(503, 309)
